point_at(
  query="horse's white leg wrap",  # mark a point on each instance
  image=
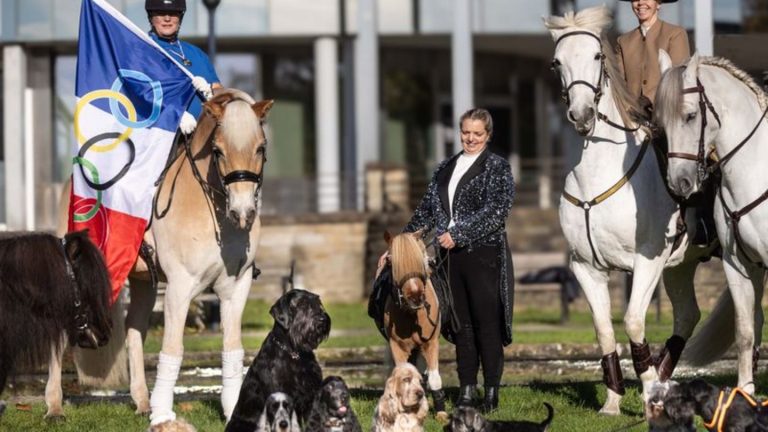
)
(231, 379)
(434, 380)
(168, 367)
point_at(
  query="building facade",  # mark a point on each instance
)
(361, 87)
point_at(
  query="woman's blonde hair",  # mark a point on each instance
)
(479, 114)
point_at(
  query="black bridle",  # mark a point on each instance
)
(85, 336)
(596, 89)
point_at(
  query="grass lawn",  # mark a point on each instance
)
(576, 401)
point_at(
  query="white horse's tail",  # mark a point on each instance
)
(106, 367)
(715, 336)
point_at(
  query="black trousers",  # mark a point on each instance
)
(474, 279)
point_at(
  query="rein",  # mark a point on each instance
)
(85, 335)
(703, 171)
(587, 205)
(596, 89)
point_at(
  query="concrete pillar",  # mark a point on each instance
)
(461, 62)
(43, 210)
(367, 129)
(704, 31)
(14, 85)
(327, 125)
(543, 143)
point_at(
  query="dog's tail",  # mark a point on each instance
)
(550, 415)
(715, 335)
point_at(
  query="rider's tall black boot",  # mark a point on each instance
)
(466, 396)
(491, 399)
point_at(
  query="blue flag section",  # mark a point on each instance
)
(115, 55)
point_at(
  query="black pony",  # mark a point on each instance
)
(50, 289)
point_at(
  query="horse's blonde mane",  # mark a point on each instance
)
(240, 126)
(408, 255)
(598, 20)
(669, 101)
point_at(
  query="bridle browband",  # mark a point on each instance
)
(85, 336)
(596, 89)
(704, 169)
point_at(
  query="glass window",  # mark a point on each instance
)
(35, 19)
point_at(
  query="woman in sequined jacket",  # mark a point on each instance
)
(467, 203)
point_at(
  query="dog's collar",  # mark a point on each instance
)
(718, 417)
(294, 354)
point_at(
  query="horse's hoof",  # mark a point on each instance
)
(145, 411)
(442, 417)
(55, 417)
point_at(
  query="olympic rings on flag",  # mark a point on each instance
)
(157, 99)
(98, 94)
(90, 143)
(94, 207)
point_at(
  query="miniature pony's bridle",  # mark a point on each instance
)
(85, 336)
(596, 89)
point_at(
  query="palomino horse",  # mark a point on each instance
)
(205, 230)
(615, 212)
(412, 313)
(714, 115)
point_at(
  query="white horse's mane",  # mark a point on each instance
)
(595, 19)
(670, 92)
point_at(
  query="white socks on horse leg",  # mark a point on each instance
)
(231, 379)
(161, 402)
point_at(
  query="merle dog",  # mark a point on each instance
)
(278, 415)
(468, 419)
(674, 409)
(331, 410)
(286, 362)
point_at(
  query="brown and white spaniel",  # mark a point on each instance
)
(403, 406)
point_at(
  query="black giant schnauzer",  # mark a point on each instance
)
(331, 410)
(286, 362)
(468, 419)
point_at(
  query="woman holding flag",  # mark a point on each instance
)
(165, 17)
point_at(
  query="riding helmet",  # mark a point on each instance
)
(179, 6)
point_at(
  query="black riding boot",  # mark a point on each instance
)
(491, 399)
(466, 396)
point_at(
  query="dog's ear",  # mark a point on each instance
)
(280, 311)
(263, 420)
(295, 422)
(388, 405)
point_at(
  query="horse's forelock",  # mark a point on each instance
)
(240, 126)
(407, 255)
(669, 96)
(595, 19)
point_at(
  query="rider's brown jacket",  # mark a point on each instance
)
(639, 55)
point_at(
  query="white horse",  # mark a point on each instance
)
(205, 230)
(714, 111)
(616, 213)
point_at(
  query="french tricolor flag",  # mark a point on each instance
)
(130, 98)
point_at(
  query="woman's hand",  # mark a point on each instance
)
(446, 241)
(383, 259)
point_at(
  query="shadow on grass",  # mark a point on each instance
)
(584, 393)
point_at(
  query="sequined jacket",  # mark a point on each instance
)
(481, 204)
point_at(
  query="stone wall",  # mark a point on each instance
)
(328, 250)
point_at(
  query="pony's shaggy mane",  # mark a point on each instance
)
(37, 298)
(408, 255)
(597, 20)
(670, 92)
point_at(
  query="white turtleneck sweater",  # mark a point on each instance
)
(463, 163)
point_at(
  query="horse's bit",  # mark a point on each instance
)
(596, 89)
(703, 170)
(85, 336)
